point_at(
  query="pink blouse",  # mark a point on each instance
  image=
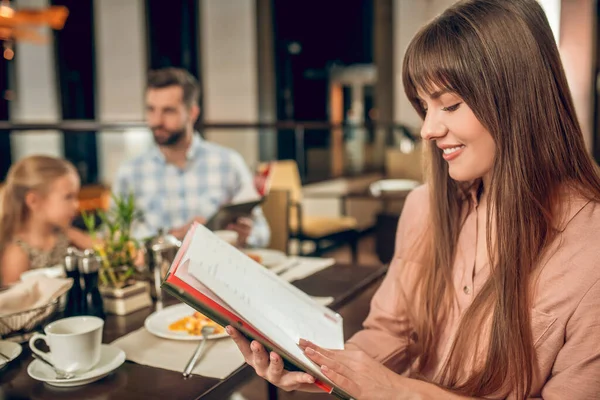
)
(565, 316)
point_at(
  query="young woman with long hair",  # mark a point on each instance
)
(494, 289)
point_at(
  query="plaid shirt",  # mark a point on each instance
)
(171, 197)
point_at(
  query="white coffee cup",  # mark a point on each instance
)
(74, 343)
(230, 237)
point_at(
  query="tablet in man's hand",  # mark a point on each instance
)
(229, 213)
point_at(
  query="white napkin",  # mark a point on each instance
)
(32, 293)
(220, 359)
(296, 268)
(25, 298)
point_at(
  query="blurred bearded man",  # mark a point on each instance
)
(183, 178)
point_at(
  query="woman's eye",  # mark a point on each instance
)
(451, 108)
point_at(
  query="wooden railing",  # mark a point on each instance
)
(87, 126)
(299, 129)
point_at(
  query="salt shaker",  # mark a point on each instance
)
(161, 251)
(74, 305)
(89, 267)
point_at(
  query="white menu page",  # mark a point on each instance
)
(279, 310)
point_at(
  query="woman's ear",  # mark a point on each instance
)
(32, 200)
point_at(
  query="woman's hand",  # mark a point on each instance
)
(270, 366)
(358, 374)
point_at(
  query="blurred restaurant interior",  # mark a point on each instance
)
(309, 91)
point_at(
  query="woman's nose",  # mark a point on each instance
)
(432, 128)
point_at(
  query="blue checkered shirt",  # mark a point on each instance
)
(171, 197)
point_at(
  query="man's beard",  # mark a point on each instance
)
(171, 139)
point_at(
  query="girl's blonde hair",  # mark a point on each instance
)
(33, 173)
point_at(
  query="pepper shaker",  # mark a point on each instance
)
(74, 304)
(89, 267)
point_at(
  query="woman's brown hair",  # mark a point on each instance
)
(500, 57)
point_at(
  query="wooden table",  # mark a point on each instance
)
(346, 283)
(391, 201)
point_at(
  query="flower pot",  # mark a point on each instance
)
(126, 300)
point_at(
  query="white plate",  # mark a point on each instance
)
(392, 185)
(269, 258)
(158, 323)
(10, 349)
(111, 358)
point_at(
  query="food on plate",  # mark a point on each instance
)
(255, 257)
(193, 324)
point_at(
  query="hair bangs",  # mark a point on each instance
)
(433, 62)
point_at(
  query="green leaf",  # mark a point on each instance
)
(89, 220)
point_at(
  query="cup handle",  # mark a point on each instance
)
(39, 336)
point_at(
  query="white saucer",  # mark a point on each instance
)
(9, 349)
(111, 358)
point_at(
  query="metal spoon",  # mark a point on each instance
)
(206, 331)
(59, 373)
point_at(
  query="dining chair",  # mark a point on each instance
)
(312, 228)
(275, 209)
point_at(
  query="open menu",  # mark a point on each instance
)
(229, 287)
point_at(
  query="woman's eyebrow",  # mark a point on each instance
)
(438, 93)
(435, 95)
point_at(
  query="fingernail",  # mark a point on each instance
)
(273, 358)
(310, 379)
(309, 351)
(324, 368)
(228, 330)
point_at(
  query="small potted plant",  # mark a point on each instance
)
(118, 251)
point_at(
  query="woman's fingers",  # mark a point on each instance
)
(286, 380)
(295, 380)
(269, 365)
(260, 359)
(242, 343)
(275, 369)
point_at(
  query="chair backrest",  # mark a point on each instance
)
(285, 176)
(276, 210)
(404, 165)
(262, 178)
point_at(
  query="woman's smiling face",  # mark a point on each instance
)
(464, 142)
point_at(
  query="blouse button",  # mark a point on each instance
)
(467, 290)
